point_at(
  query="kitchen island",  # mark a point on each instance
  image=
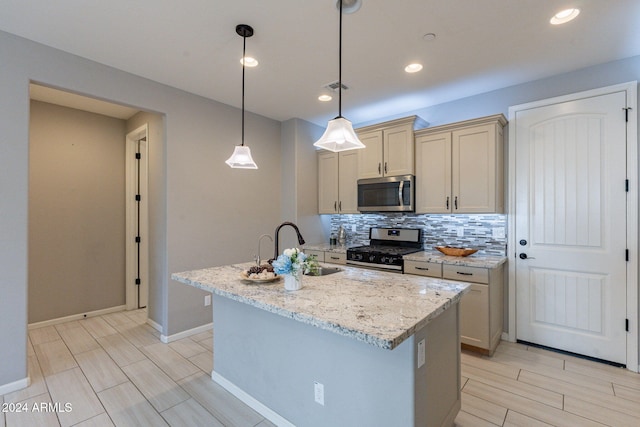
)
(356, 348)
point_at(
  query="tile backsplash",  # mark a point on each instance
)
(437, 230)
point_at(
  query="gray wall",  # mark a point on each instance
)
(76, 212)
(157, 302)
(204, 213)
(300, 183)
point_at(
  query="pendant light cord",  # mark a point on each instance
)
(340, 66)
(244, 48)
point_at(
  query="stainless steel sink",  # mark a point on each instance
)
(324, 271)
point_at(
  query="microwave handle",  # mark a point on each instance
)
(400, 188)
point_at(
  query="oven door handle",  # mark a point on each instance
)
(400, 188)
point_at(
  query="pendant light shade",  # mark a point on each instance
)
(339, 135)
(241, 157)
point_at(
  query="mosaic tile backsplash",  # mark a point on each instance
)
(437, 230)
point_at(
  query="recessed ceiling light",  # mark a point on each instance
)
(564, 16)
(249, 61)
(413, 68)
(325, 98)
(429, 37)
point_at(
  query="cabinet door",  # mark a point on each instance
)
(474, 316)
(327, 182)
(348, 182)
(474, 169)
(398, 151)
(370, 158)
(433, 173)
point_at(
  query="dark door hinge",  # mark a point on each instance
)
(626, 254)
(138, 198)
(626, 113)
(626, 325)
(626, 185)
(138, 156)
(137, 239)
(137, 281)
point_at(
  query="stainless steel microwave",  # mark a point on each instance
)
(388, 194)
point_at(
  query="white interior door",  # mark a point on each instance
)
(571, 226)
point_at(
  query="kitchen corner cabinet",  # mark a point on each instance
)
(460, 167)
(389, 148)
(338, 182)
(481, 308)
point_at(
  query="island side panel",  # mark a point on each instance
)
(276, 360)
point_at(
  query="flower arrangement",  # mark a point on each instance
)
(293, 261)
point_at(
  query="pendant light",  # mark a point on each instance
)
(339, 135)
(241, 157)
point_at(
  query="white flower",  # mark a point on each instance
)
(290, 252)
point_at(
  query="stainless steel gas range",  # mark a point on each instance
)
(386, 248)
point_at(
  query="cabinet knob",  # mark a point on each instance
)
(447, 202)
(385, 167)
(340, 205)
(455, 203)
(379, 168)
(335, 206)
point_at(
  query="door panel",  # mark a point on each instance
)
(571, 211)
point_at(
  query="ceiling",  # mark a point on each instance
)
(480, 45)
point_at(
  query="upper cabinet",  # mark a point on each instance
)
(389, 148)
(337, 182)
(460, 167)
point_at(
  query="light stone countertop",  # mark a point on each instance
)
(377, 307)
(475, 260)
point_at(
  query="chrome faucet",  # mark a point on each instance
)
(295, 227)
(257, 257)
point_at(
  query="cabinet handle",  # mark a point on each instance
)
(335, 206)
(340, 205)
(447, 202)
(463, 273)
(385, 167)
(422, 268)
(334, 257)
(400, 189)
(455, 202)
(379, 168)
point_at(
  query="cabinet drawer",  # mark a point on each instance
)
(335, 258)
(319, 254)
(465, 274)
(423, 268)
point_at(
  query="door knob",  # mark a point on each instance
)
(524, 256)
(523, 242)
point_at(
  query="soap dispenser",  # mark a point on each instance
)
(342, 236)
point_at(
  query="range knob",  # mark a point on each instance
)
(372, 258)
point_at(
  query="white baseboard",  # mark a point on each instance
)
(184, 334)
(249, 400)
(505, 336)
(14, 386)
(154, 325)
(76, 317)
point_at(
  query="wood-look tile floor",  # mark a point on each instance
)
(113, 370)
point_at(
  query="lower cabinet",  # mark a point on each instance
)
(326, 256)
(481, 309)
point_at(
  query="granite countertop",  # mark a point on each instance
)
(377, 307)
(326, 247)
(475, 260)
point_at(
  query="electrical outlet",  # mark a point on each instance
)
(207, 300)
(460, 231)
(498, 233)
(318, 392)
(421, 353)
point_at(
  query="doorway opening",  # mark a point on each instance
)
(137, 212)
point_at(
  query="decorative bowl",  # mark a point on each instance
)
(453, 251)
